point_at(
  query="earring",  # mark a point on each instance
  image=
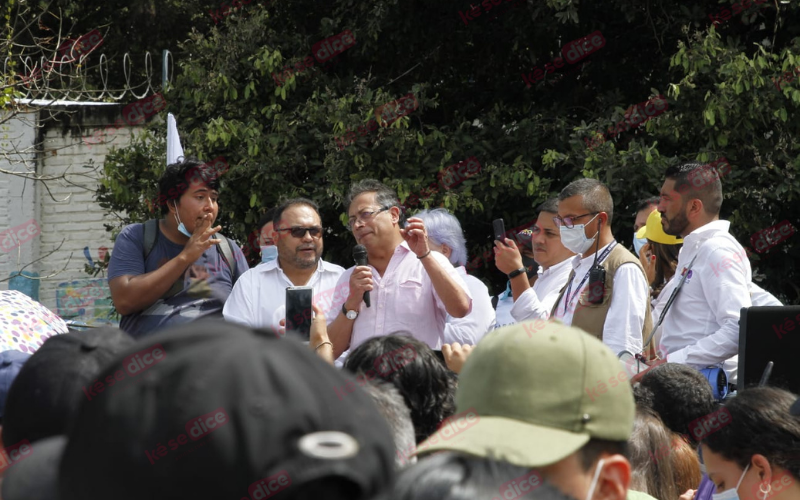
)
(765, 493)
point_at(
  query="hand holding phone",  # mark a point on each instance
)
(499, 228)
(298, 310)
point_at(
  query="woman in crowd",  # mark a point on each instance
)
(753, 452)
(659, 256)
(659, 465)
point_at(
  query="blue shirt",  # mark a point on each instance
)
(206, 283)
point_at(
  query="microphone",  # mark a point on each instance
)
(360, 256)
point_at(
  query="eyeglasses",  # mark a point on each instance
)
(300, 232)
(364, 216)
(568, 222)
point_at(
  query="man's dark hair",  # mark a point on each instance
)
(179, 176)
(268, 217)
(592, 451)
(276, 216)
(596, 196)
(426, 384)
(384, 195)
(646, 203)
(678, 394)
(455, 476)
(760, 423)
(698, 181)
(549, 205)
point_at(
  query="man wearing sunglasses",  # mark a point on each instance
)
(411, 288)
(607, 294)
(259, 298)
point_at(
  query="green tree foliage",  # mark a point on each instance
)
(467, 77)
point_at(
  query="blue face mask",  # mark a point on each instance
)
(269, 253)
(638, 243)
(181, 227)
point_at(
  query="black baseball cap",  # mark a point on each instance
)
(221, 412)
(47, 391)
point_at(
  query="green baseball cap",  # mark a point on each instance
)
(535, 392)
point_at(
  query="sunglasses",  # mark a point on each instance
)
(300, 232)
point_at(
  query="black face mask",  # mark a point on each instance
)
(530, 265)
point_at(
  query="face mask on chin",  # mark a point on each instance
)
(181, 227)
(574, 239)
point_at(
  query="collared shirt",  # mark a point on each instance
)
(622, 330)
(472, 327)
(537, 301)
(701, 327)
(505, 301)
(258, 299)
(403, 299)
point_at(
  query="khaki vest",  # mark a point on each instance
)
(592, 317)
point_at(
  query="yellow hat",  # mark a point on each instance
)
(654, 231)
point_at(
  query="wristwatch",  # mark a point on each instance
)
(349, 314)
(515, 273)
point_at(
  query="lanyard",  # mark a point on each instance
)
(598, 261)
(684, 275)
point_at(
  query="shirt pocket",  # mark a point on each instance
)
(408, 302)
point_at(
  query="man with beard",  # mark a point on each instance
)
(702, 326)
(535, 302)
(259, 298)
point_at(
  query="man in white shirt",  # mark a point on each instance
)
(701, 327)
(616, 308)
(536, 302)
(446, 237)
(411, 288)
(258, 299)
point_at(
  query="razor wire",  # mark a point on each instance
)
(41, 80)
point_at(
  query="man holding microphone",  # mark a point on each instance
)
(411, 288)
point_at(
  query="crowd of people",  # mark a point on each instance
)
(582, 380)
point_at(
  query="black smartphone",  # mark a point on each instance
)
(499, 228)
(440, 355)
(298, 310)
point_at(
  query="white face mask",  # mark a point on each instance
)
(574, 239)
(730, 494)
(600, 463)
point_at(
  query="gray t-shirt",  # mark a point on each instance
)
(206, 283)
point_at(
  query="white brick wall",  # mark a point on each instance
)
(73, 216)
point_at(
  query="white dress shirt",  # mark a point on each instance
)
(505, 301)
(472, 327)
(258, 299)
(622, 330)
(403, 299)
(537, 301)
(701, 327)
